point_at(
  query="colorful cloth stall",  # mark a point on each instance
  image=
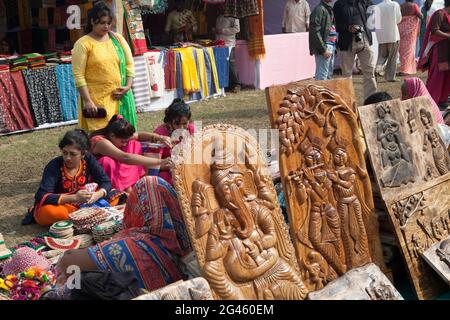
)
(67, 92)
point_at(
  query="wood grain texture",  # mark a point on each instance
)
(409, 162)
(327, 190)
(233, 217)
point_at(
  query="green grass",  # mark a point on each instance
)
(23, 156)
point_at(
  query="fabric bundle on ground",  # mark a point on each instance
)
(4, 65)
(18, 63)
(67, 92)
(141, 85)
(43, 92)
(14, 104)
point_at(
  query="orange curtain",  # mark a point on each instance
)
(255, 44)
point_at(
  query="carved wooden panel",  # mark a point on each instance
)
(411, 169)
(363, 283)
(234, 220)
(438, 257)
(322, 166)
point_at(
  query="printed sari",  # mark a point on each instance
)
(153, 239)
(408, 28)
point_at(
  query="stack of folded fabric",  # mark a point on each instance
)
(66, 57)
(35, 60)
(62, 229)
(86, 240)
(85, 218)
(52, 59)
(18, 63)
(104, 231)
(4, 65)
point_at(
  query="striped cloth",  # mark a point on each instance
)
(141, 85)
(67, 92)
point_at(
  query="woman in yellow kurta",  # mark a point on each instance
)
(103, 71)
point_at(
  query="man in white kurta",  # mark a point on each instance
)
(296, 16)
(388, 15)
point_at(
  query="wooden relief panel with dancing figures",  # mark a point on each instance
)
(411, 166)
(327, 189)
(233, 217)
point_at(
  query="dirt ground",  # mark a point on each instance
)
(23, 156)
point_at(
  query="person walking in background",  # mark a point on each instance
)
(435, 56)
(226, 29)
(409, 30)
(425, 10)
(296, 16)
(322, 39)
(103, 70)
(388, 37)
(355, 39)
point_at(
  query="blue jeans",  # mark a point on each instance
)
(324, 67)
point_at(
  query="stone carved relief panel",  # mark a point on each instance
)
(324, 176)
(194, 289)
(418, 209)
(363, 283)
(234, 220)
(438, 257)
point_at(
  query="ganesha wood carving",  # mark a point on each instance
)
(324, 176)
(412, 170)
(234, 220)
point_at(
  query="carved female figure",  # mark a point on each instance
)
(313, 186)
(353, 231)
(440, 155)
(396, 156)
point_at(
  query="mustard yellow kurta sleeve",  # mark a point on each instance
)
(79, 58)
(128, 55)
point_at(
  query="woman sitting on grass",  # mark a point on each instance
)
(62, 189)
(119, 152)
(177, 119)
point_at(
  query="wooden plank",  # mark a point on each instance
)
(323, 170)
(411, 168)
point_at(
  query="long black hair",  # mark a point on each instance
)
(77, 138)
(98, 11)
(177, 110)
(118, 126)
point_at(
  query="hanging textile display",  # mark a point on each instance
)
(221, 54)
(141, 84)
(134, 27)
(255, 44)
(159, 7)
(14, 103)
(67, 92)
(24, 12)
(155, 67)
(117, 7)
(43, 92)
(170, 70)
(3, 17)
(241, 8)
(189, 72)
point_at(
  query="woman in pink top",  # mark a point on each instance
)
(414, 87)
(176, 122)
(119, 152)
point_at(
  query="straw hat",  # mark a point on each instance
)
(23, 259)
(4, 251)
